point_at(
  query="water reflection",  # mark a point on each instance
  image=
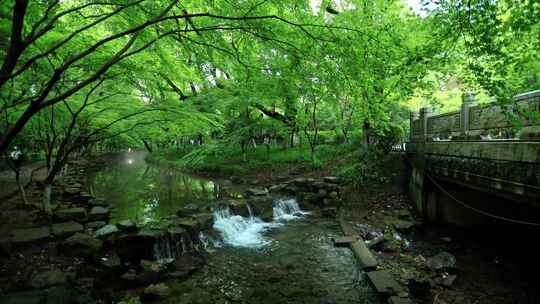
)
(145, 192)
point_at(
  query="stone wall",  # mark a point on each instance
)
(480, 122)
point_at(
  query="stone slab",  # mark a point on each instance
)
(384, 283)
(28, 235)
(66, 229)
(398, 300)
(343, 241)
(366, 259)
(99, 213)
(75, 214)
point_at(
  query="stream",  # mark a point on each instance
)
(290, 259)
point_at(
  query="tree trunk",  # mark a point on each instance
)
(21, 186)
(147, 145)
(47, 198)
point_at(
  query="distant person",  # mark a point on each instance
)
(16, 157)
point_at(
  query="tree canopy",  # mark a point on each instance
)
(150, 73)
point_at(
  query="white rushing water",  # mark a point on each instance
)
(286, 210)
(240, 231)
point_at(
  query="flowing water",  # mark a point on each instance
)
(288, 260)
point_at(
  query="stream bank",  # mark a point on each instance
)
(107, 243)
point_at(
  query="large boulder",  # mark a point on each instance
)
(98, 213)
(29, 235)
(80, 245)
(66, 229)
(106, 231)
(261, 204)
(239, 208)
(136, 246)
(72, 214)
(442, 262)
(127, 225)
(205, 220)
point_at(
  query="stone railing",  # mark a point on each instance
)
(480, 122)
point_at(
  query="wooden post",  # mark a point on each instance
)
(425, 113)
(468, 101)
(413, 117)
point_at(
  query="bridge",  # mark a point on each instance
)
(482, 158)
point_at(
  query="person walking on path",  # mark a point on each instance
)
(17, 157)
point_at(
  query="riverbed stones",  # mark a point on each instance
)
(152, 272)
(304, 184)
(277, 188)
(442, 262)
(98, 202)
(127, 225)
(106, 231)
(99, 213)
(188, 210)
(66, 229)
(332, 180)
(185, 265)
(29, 235)
(256, 192)
(239, 208)
(95, 225)
(48, 278)
(72, 190)
(261, 204)
(80, 245)
(205, 220)
(72, 214)
(110, 260)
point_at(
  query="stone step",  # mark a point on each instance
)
(343, 241)
(398, 300)
(28, 235)
(367, 261)
(384, 283)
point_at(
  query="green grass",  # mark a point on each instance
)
(226, 159)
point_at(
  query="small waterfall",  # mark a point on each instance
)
(239, 231)
(287, 209)
(250, 211)
(172, 245)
